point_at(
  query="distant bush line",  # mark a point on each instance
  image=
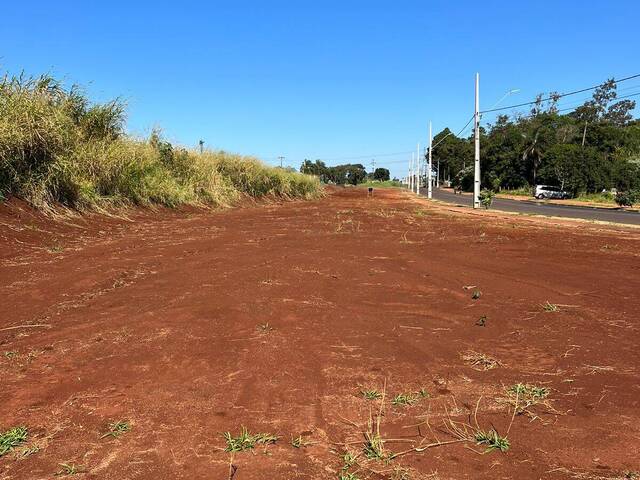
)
(57, 147)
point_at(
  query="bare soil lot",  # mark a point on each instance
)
(277, 317)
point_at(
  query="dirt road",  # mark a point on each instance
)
(276, 317)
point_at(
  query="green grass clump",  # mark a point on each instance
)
(492, 440)
(11, 439)
(373, 447)
(371, 394)
(247, 441)
(56, 147)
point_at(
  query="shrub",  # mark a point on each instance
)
(486, 198)
(627, 199)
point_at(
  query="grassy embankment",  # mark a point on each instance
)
(56, 147)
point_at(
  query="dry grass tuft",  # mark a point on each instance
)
(480, 361)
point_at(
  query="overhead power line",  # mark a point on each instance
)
(364, 157)
(556, 97)
(451, 133)
(560, 110)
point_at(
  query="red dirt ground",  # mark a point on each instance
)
(157, 321)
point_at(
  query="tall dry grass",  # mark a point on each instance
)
(56, 147)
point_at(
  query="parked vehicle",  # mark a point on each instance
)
(548, 191)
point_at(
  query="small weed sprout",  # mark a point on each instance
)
(117, 428)
(371, 394)
(68, 469)
(27, 451)
(476, 294)
(373, 446)
(56, 249)
(408, 399)
(400, 473)
(299, 442)
(265, 328)
(482, 321)
(247, 441)
(492, 440)
(480, 361)
(404, 399)
(550, 307)
(12, 438)
(348, 476)
(524, 396)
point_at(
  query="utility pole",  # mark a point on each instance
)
(201, 143)
(476, 163)
(430, 167)
(281, 158)
(411, 177)
(418, 170)
(373, 167)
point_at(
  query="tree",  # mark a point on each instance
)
(563, 167)
(619, 114)
(318, 169)
(381, 174)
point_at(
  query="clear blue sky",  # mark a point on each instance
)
(324, 79)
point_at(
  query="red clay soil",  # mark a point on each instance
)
(277, 316)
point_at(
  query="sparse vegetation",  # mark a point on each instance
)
(550, 307)
(27, 451)
(480, 361)
(373, 446)
(58, 147)
(299, 442)
(371, 394)
(408, 399)
(492, 440)
(404, 399)
(68, 469)
(348, 476)
(12, 438)
(247, 441)
(522, 397)
(265, 328)
(117, 428)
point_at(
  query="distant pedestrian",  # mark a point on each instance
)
(370, 194)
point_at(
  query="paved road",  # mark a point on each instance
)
(534, 207)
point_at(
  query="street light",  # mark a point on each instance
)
(510, 92)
